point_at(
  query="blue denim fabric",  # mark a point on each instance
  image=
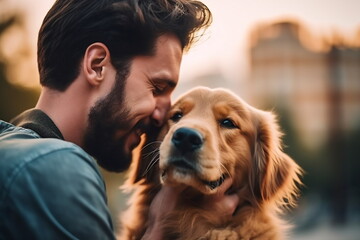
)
(49, 189)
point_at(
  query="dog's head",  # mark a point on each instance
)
(213, 134)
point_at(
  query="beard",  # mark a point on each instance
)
(104, 121)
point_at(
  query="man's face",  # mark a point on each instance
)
(133, 106)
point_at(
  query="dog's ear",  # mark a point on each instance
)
(274, 176)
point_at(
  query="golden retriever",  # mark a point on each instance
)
(212, 134)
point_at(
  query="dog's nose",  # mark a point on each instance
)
(187, 139)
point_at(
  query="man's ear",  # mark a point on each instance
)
(96, 58)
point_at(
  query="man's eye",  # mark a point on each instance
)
(176, 116)
(158, 90)
(228, 123)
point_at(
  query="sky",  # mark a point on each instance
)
(234, 19)
(224, 47)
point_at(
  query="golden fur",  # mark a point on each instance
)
(237, 140)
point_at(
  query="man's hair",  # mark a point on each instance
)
(128, 28)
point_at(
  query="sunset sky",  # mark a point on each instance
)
(224, 46)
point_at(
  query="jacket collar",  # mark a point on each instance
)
(39, 122)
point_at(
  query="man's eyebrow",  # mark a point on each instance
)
(169, 82)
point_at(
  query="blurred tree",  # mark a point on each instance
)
(339, 188)
(313, 179)
(352, 149)
(13, 99)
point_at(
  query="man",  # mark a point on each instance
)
(107, 68)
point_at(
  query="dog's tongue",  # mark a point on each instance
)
(215, 184)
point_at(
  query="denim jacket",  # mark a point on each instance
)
(49, 188)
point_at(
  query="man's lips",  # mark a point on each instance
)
(135, 134)
(134, 138)
(138, 132)
(131, 137)
(141, 127)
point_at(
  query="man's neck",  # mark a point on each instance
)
(68, 110)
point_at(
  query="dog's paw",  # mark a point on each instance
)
(221, 234)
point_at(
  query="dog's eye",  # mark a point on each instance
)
(177, 116)
(228, 123)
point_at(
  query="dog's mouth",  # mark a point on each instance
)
(212, 185)
(215, 184)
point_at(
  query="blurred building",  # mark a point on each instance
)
(313, 80)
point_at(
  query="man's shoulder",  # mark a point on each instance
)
(18, 142)
(22, 149)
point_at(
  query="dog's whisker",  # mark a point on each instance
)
(153, 152)
(151, 144)
(152, 163)
(156, 148)
(150, 166)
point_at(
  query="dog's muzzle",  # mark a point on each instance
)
(187, 142)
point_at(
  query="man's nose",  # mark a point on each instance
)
(162, 107)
